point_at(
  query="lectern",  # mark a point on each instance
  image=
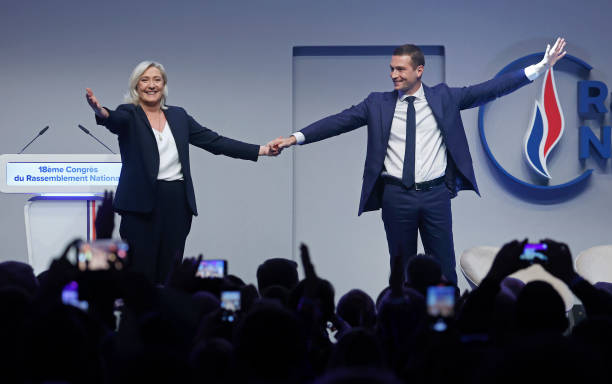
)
(65, 188)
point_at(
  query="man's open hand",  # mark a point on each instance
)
(556, 53)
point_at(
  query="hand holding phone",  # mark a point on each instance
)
(507, 261)
(441, 306)
(560, 262)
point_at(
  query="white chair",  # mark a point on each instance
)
(595, 264)
(476, 262)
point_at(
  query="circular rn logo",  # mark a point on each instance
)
(547, 127)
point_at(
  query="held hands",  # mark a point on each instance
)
(271, 148)
(95, 104)
(276, 146)
(285, 142)
(554, 54)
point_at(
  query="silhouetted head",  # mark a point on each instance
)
(358, 376)
(63, 344)
(269, 344)
(277, 271)
(504, 315)
(604, 286)
(234, 280)
(401, 318)
(211, 362)
(541, 358)
(278, 293)
(323, 295)
(540, 308)
(357, 309)
(249, 296)
(206, 302)
(18, 274)
(407, 292)
(358, 347)
(423, 271)
(15, 304)
(593, 339)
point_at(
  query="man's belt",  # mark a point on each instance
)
(416, 186)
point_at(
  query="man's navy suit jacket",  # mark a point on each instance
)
(377, 110)
(137, 183)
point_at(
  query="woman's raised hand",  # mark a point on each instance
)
(95, 104)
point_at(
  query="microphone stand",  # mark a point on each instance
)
(36, 137)
(95, 138)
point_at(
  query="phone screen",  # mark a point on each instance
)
(531, 252)
(212, 268)
(102, 255)
(230, 300)
(441, 301)
(230, 304)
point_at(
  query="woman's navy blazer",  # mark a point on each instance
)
(137, 184)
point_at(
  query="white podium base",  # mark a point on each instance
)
(51, 224)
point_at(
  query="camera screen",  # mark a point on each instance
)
(211, 268)
(101, 255)
(440, 301)
(230, 301)
(532, 253)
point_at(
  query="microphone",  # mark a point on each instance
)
(90, 134)
(36, 137)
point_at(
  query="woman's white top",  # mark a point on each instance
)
(169, 164)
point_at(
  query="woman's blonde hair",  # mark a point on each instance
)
(132, 95)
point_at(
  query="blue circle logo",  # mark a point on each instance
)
(544, 131)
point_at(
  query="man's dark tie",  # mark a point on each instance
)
(408, 173)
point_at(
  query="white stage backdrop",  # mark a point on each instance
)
(230, 65)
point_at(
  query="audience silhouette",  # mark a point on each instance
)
(115, 326)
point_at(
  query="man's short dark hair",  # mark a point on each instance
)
(415, 53)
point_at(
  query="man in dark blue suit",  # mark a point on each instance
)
(417, 155)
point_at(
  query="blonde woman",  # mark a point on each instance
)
(155, 194)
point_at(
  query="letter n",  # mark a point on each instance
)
(589, 140)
